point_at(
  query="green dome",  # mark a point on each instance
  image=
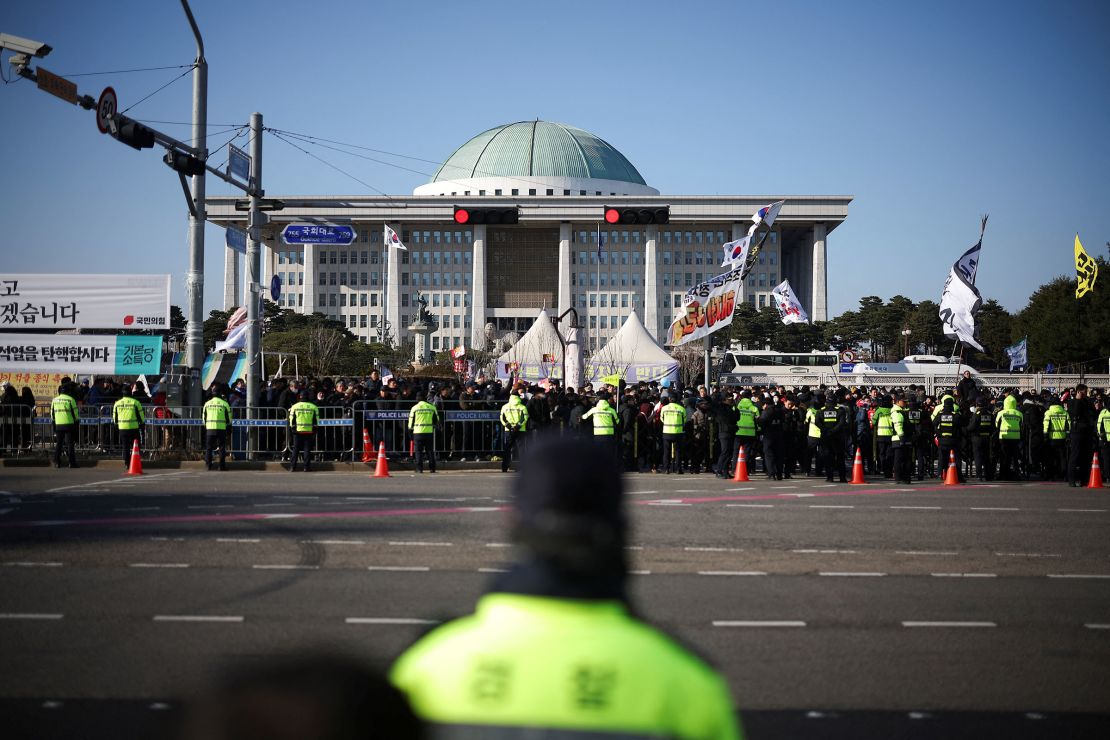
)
(537, 149)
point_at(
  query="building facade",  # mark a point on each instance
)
(560, 179)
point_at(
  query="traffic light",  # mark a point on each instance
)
(134, 134)
(468, 215)
(183, 163)
(637, 214)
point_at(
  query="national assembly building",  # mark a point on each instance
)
(510, 224)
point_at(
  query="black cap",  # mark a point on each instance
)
(568, 505)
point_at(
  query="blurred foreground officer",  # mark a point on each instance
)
(127, 415)
(553, 650)
(423, 418)
(304, 417)
(514, 421)
(217, 420)
(63, 412)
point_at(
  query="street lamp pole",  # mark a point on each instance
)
(194, 278)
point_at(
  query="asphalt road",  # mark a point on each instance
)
(834, 610)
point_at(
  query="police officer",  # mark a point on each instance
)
(980, 429)
(1056, 427)
(304, 417)
(747, 427)
(1082, 413)
(916, 449)
(66, 418)
(947, 423)
(834, 423)
(880, 423)
(813, 436)
(217, 421)
(673, 416)
(514, 422)
(1009, 422)
(423, 420)
(604, 420)
(127, 415)
(553, 650)
(901, 441)
(724, 414)
(1103, 428)
(771, 422)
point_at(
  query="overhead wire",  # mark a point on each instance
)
(329, 164)
(160, 89)
(125, 71)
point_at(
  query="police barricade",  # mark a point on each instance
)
(94, 430)
(16, 428)
(464, 433)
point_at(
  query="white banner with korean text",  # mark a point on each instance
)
(706, 308)
(78, 301)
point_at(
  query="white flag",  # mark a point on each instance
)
(790, 309)
(766, 215)
(237, 339)
(960, 300)
(736, 252)
(393, 240)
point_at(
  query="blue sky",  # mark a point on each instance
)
(928, 113)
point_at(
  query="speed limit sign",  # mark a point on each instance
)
(105, 109)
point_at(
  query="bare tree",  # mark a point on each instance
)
(691, 361)
(323, 349)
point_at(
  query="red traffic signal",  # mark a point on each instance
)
(637, 214)
(467, 215)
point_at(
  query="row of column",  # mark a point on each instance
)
(812, 261)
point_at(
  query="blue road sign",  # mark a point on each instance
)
(318, 234)
(236, 239)
(238, 163)
(275, 288)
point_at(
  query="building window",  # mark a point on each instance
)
(435, 300)
(362, 300)
(323, 279)
(497, 191)
(331, 299)
(762, 300)
(677, 300)
(516, 191)
(323, 300)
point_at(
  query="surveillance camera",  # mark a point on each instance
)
(24, 46)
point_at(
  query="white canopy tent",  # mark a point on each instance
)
(538, 354)
(634, 355)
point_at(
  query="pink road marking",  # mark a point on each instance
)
(196, 518)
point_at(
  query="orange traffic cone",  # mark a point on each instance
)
(952, 475)
(382, 470)
(136, 467)
(1096, 473)
(741, 468)
(857, 470)
(367, 446)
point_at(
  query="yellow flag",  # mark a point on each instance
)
(613, 379)
(1086, 270)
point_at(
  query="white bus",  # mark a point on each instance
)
(756, 367)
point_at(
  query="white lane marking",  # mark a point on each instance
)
(400, 568)
(830, 506)
(668, 502)
(195, 618)
(639, 572)
(850, 574)
(158, 706)
(493, 570)
(334, 542)
(418, 543)
(114, 481)
(731, 573)
(16, 615)
(800, 495)
(157, 565)
(923, 552)
(282, 516)
(167, 539)
(33, 564)
(641, 493)
(949, 624)
(1027, 555)
(746, 488)
(784, 487)
(634, 547)
(138, 508)
(1084, 511)
(388, 620)
(211, 506)
(995, 508)
(919, 715)
(366, 498)
(1078, 575)
(827, 552)
(829, 485)
(237, 539)
(915, 507)
(758, 623)
(713, 549)
(687, 490)
(263, 506)
(750, 506)
(964, 575)
(498, 544)
(298, 498)
(279, 566)
(1096, 626)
